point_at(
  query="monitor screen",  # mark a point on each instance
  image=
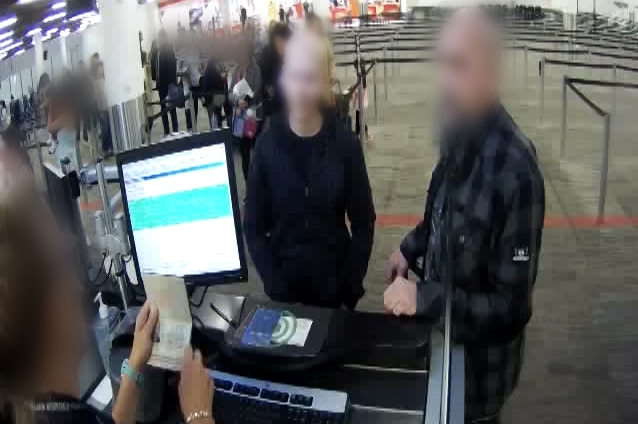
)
(181, 206)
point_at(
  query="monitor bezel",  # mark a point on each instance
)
(181, 145)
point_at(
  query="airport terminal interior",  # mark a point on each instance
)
(570, 82)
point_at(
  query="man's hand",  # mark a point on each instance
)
(400, 297)
(397, 266)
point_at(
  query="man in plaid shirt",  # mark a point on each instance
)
(483, 221)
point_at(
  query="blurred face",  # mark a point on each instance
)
(467, 76)
(304, 78)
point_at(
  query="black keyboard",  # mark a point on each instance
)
(241, 400)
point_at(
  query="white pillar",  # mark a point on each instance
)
(124, 75)
(322, 8)
(64, 54)
(226, 14)
(151, 24)
(38, 51)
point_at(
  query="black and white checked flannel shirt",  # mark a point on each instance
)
(497, 200)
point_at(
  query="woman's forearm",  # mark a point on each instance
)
(125, 408)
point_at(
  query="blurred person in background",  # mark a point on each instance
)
(94, 62)
(487, 190)
(246, 107)
(44, 332)
(308, 174)
(63, 120)
(84, 100)
(165, 75)
(190, 66)
(270, 62)
(103, 110)
(5, 116)
(214, 86)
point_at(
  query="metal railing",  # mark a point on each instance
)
(571, 83)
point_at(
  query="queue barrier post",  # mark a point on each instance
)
(385, 74)
(614, 78)
(542, 90)
(374, 88)
(604, 167)
(526, 73)
(563, 125)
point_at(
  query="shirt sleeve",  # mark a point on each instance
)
(413, 246)
(511, 270)
(362, 216)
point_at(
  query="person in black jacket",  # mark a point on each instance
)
(270, 62)
(308, 174)
(166, 74)
(483, 222)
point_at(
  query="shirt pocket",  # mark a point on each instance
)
(470, 248)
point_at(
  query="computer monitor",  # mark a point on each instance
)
(181, 208)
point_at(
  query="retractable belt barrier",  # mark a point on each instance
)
(571, 83)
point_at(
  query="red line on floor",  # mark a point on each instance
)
(551, 222)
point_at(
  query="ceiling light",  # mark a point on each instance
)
(5, 43)
(65, 33)
(8, 22)
(11, 47)
(54, 17)
(34, 31)
(6, 35)
(52, 31)
(83, 15)
(19, 52)
(26, 1)
(59, 5)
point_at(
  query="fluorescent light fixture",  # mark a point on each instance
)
(55, 17)
(34, 31)
(8, 22)
(83, 16)
(11, 47)
(65, 33)
(52, 31)
(2, 55)
(46, 37)
(26, 1)
(5, 43)
(6, 35)
(19, 52)
(59, 5)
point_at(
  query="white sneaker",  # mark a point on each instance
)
(225, 126)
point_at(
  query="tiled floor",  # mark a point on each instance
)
(582, 343)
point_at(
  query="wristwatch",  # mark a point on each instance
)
(131, 373)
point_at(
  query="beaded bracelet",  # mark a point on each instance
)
(194, 416)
